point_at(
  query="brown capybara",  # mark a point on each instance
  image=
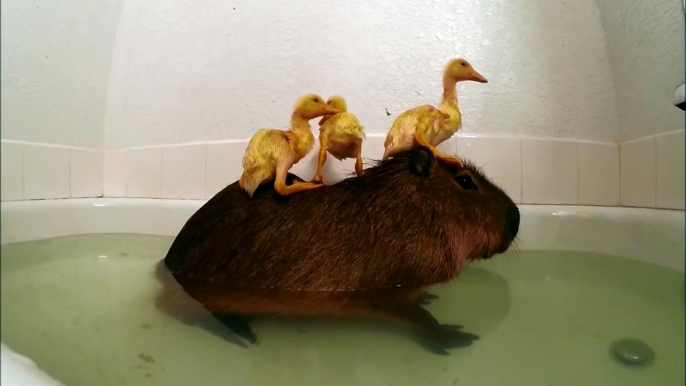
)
(366, 246)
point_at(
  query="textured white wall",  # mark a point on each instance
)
(56, 58)
(188, 71)
(646, 48)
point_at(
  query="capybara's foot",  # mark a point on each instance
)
(438, 340)
(238, 324)
(425, 298)
(436, 337)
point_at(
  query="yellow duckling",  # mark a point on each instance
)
(427, 125)
(271, 152)
(341, 135)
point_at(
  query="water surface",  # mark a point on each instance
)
(83, 308)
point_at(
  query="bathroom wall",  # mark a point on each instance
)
(190, 82)
(216, 70)
(56, 58)
(645, 43)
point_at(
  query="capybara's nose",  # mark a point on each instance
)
(512, 220)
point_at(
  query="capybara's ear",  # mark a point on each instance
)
(421, 160)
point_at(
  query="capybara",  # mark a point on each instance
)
(366, 246)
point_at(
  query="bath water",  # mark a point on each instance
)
(83, 308)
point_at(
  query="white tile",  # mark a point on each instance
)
(224, 165)
(670, 171)
(498, 158)
(144, 173)
(335, 170)
(12, 173)
(638, 169)
(550, 172)
(372, 150)
(449, 146)
(86, 173)
(183, 171)
(307, 166)
(598, 174)
(46, 172)
(114, 173)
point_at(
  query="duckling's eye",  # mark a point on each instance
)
(463, 64)
(466, 182)
(316, 100)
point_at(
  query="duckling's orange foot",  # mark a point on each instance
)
(451, 160)
(296, 187)
(317, 179)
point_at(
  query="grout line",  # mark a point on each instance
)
(52, 145)
(374, 135)
(162, 173)
(23, 172)
(71, 194)
(207, 169)
(126, 174)
(653, 136)
(521, 170)
(578, 174)
(655, 171)
(621, 194)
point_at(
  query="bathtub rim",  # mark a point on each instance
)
(646, 234)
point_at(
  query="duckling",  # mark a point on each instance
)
(341, 135)
(271, 153)
(429, 126)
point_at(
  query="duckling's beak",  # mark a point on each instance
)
(331, 110)
(475, 76)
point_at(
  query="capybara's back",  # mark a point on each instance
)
(368, 245)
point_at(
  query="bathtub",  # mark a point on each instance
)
(649, 235)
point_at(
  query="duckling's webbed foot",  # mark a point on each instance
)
(280, 181)
(296, 187)
(358, 164)
(451, 160)
(238, 325)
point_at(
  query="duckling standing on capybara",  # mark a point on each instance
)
(366, 246)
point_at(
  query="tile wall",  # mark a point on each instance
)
(643, 173)
(38, 171)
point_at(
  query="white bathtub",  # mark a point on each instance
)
(645, 234)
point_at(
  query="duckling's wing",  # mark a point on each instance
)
(401, 134)
(342, 125)
(265, 148)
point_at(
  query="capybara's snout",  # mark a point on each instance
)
(512, 221)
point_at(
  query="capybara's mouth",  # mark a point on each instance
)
(501, 247)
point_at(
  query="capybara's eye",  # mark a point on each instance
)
(466, 182)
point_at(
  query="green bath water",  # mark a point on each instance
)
(83, 308)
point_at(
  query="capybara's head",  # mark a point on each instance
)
(481, 215)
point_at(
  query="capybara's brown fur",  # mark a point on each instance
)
(367, 246)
